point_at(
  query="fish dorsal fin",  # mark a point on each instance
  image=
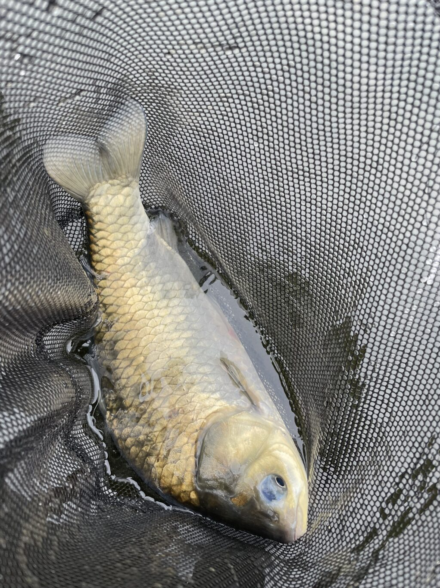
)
(240, 381)
(162, 225)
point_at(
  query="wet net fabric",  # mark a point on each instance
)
(299, 144)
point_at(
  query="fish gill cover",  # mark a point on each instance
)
(298, 143)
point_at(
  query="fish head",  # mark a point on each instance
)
(250, 474)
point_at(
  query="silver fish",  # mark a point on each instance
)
(187, 408)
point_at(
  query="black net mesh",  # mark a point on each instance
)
(299, 142)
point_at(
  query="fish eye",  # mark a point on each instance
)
(280, 481)
(273, 488)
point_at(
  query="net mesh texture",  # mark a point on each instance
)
(299, 143)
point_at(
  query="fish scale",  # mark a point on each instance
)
(177, 404)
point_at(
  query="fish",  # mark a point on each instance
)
(185, 404)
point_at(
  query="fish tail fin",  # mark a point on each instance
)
(79, 163)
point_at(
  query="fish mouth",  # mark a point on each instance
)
(301, 528)
(295, 530)
(286, 531)
(300, 523)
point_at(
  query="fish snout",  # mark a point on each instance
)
(301, 523)
(296, 529)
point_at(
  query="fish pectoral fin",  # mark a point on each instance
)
(240, 381)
